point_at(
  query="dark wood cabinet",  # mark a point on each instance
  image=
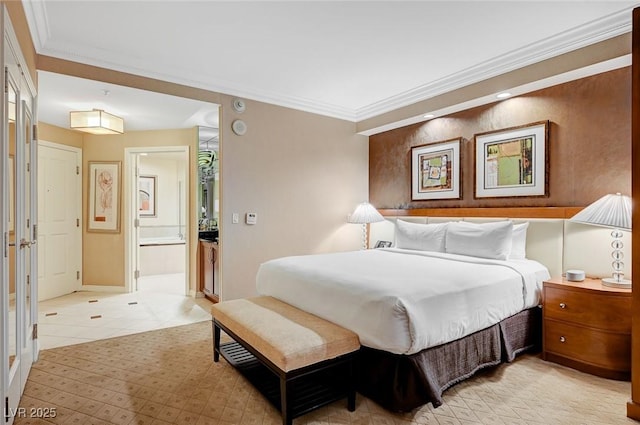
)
(587, 326)
(209, 270)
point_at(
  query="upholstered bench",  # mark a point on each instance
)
(297, 360)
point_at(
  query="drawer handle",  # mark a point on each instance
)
(563, 305)
(562, 339)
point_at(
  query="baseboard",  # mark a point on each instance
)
(104, 288)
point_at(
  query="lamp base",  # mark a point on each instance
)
(623, 283)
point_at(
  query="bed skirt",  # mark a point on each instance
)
(402, 383)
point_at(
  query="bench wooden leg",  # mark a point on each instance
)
(216, 342)
(285, 408)
(351, 396)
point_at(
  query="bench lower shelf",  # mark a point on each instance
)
(307, 392)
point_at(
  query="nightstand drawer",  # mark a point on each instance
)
(598, 310)
(607, 350)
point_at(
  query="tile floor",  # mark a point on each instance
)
(89, 316)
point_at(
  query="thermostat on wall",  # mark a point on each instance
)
(251, 218)
(575, 275)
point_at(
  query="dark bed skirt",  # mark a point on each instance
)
(402, 383)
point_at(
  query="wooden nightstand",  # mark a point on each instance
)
(587, 326)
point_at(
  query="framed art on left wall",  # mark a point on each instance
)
(104, 197)
(435, 171)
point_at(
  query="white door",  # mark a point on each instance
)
(59, 218)
(19, 260)
(12, 254)
(29, 352)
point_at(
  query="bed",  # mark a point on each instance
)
(447, 300)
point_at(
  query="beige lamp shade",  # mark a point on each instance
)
(365, 213)
(96, 122)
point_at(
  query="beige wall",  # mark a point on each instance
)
(301, 173)
(103, 253)
(63, 136)
(169, 174)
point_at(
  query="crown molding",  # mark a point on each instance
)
(598, 68)
(593, 32)
(36, 14)
(189, 78)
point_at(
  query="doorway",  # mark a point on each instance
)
(156, 205)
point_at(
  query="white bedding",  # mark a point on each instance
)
(403, 301)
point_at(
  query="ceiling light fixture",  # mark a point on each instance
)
(428, 116)
(96, 121)
(503, 95)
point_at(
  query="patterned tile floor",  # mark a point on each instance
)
(167, 376)
(88, 316)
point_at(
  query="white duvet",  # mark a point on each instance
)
(404, 301)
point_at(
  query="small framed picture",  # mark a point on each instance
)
(147, 196)
(383, 244)
(435, 171)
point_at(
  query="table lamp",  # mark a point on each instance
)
(365, 214)
(612, 211)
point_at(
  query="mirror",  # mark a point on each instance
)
(11, 106)
(209, 183)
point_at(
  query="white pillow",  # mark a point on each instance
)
(487, 240)
(519, 242)
(423, 237)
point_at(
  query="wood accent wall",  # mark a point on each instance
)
(589, 145)
(513, 212)
(633, 406)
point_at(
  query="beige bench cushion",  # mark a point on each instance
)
(288, 337)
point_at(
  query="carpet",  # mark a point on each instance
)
(168, 376)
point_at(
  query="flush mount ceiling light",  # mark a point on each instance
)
(96, 121)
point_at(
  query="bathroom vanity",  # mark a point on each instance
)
(209, 267)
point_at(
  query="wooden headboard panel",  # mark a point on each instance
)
(551, 238)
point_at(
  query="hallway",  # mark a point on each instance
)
(89, 316)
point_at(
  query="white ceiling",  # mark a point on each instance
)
(351, 60)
